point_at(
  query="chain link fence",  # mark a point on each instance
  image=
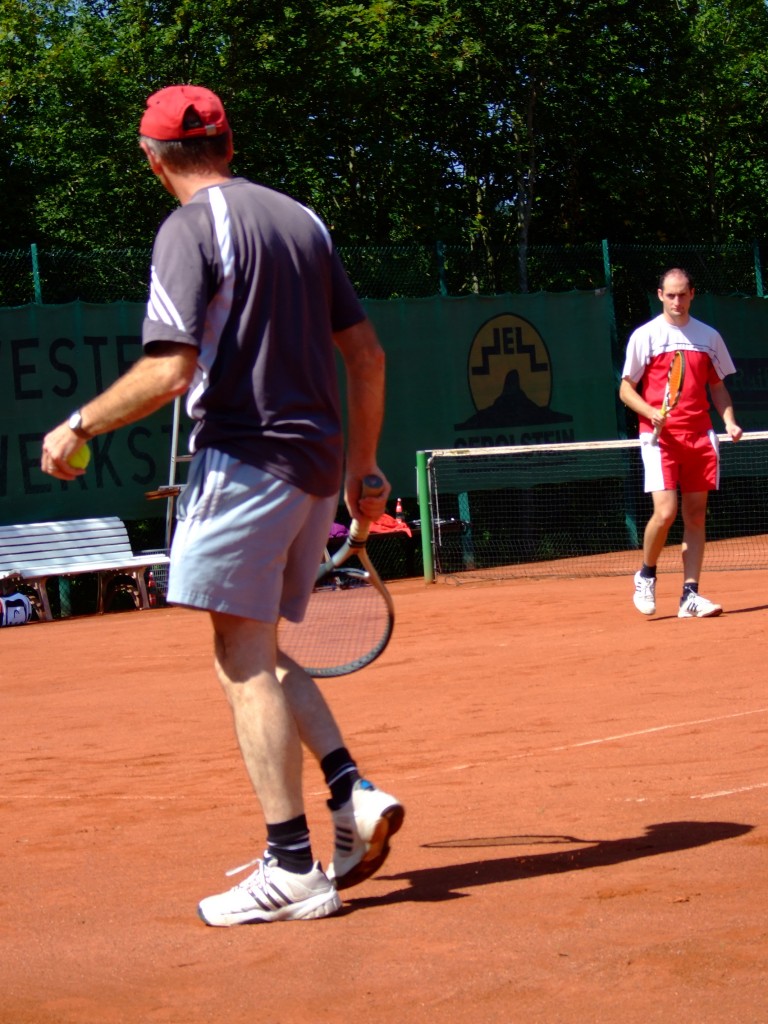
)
(60, 275)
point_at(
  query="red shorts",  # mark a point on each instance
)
(690, 461)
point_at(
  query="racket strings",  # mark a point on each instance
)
(346, 625)
(676, 376)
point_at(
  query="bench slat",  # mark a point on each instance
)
(102, 524)
(77, 569)
(62, 554)
(74, 547)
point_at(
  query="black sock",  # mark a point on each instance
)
(341, 774)
(288, 842)
(689, 588)
(648, 572)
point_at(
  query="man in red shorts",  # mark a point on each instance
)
(687, 454)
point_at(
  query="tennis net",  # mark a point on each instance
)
(580, 510)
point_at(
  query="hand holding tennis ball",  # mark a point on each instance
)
(80, 458)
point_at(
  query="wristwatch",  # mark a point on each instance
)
(75, 424)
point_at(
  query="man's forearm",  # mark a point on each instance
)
(147, 386)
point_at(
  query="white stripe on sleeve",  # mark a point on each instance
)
(159, 305)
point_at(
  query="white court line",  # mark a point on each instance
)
(476, 764)
(661, 728)
(541, 751)
(729, 792)
(88, 798)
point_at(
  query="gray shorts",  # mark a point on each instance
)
(246, 543)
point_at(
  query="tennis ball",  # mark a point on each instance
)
(80, 458)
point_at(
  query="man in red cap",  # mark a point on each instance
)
(183, 112)
(247, 300)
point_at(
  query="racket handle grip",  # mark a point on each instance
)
(372, 486)
(657, 430)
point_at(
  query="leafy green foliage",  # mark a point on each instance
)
(493, 123)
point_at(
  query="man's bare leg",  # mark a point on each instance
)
(694, 534)
(658, 526)
(313, 717)
(245, 658)
(654, 539)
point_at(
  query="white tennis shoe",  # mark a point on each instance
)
(694, 606)
(362, 829)
(645, 594)
(270, 893)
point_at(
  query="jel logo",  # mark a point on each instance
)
(509, 374)
(508, 344)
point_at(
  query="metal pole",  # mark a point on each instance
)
(607, 264)
(172, 471)
(440, 252)
(36, 275)
(422, 484)
(758, 271)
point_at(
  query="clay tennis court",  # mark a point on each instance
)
(585, 836)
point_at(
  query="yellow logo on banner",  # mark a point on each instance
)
(508, 356)
(510, 380)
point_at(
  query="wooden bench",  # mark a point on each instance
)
(37, 552)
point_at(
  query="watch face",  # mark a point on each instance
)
(75, 422)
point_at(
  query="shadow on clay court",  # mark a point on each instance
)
(726, 613)
(746, 611)
(443, 883)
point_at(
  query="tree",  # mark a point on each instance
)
(493, 124)
(715, 142)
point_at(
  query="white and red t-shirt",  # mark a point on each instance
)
(707, 360)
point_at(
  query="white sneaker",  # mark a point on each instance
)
(694, 606)
(272, 894)
(362, 829)
(645, 594)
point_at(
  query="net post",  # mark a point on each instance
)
(467, 547)
(422, 486)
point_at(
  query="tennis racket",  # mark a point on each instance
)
(350, 615)
(672, 392)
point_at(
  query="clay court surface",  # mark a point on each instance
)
(585, 837)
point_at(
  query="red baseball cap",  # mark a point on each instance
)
(183, 112)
